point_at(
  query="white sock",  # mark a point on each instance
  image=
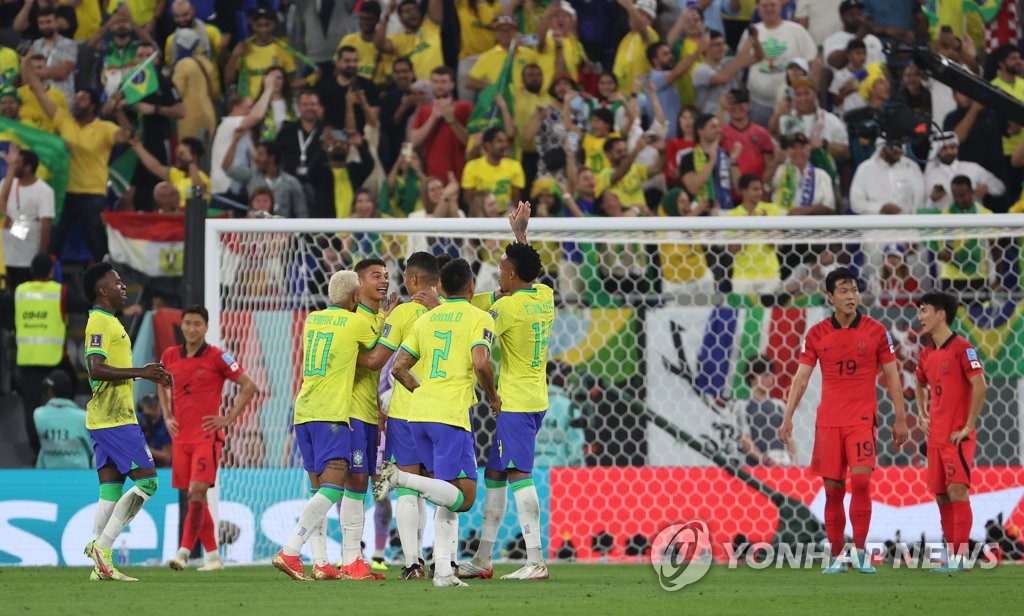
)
(437, 491)
(184, 553)
(528, 510)
(446, 532)
(318, 543)
(353, 516)
(421, 507)
(103, 510)
(127, 507)
(407, 520)
(312, 514)
(494, 510)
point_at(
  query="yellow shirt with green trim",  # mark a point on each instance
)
(31, 111)
(630, 187)
(475, 32)
(261, 58)
(1016, 90)
(423, 47)
(372, 63)
(483, 301)
(756, 261)
(500, 179)
(113, 402)
(90, 152)
(488, 67)
(331, 341)
(364, 390)
(572, 53)
(396, 330)
(522, 322)
(183, 182)
(593, 150)
(631, 60)
(444, 339)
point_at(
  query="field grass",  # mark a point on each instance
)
(572, 589)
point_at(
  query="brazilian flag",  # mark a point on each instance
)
(486, 114)
(141, 82)
(54, 159)
(987, 9)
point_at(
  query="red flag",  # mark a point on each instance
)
(1005, 28)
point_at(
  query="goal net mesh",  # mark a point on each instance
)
(670, 361)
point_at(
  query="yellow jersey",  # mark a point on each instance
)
(476, 34)
(629, 189)
(522, 322)
(261, 58)
(113, 402)
(756, 261)
(445, 338)
(364, 390)
(142, 11)
(331, 341)
(423, 47)
(396, 330)
(90, 17)
(183, 182)
(483, 301)
(10, 68)
(488, 66)
(572, 51)
(373, 65)
(631, 59)
(90, 151)
(1016, 90)
(32, 113)
(500, 179)
(593, 150)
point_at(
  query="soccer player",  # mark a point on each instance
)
(850, 347)
(456, 339)
(373, 290)
(192, 414)
(421, 276)
(950, 395)
(110, 417)
(523, 317)
(331, 341)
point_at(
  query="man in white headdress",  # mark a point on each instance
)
(943, 166)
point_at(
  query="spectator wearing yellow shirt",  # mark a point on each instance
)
(371, 60)
(528, 98)
(1010, 79)
(684, 39)
(90, 141)
(488, 66)
(685, 276)
(89, 16)
(31, 112)
(476, 35)
(755, 267)
(631, 57)
(208, 45)
(185, 175)
(601, 121)
(559, 50)
(421, 41)
(493, 172)
(252, 58)
(143, 12)
(624, 177)
(9, 63)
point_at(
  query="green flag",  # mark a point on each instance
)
(142, 82)
(485, 113)
(987, 9)
(54, 159)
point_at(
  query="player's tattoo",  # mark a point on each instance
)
(337, 465)
(402, 370)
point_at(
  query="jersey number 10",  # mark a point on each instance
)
(318, 347)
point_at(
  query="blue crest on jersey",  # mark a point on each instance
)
(387, 330)
(494, 315)
(96, 340)
(488, 335)
(888, 337)
(972, 355)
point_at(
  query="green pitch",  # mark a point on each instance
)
(572, 589)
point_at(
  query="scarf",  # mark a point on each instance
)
(788, 191)
(203, 46)
(717, 189)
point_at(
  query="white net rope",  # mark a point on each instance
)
(671, 356)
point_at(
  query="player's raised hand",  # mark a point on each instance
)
(519, 220)
(212, 423)
(900, 433)
(172, 426)
(786, 431)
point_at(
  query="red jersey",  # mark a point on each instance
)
(850, 359)
(198, 386)
(947, 371)
(442, 150)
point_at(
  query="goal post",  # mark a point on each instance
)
(674, 344)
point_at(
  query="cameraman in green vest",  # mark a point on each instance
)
(40, 326)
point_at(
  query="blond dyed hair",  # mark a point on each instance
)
(342, 286)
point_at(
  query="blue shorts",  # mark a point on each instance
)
(400, 446)
(514, 441)
(364, 447)
(123, 446)
(320, 441)
(447, 452)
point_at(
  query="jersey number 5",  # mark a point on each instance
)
(441, 355)
(318, 347)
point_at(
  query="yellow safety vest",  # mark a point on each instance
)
(39, 323)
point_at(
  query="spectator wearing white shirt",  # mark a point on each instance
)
(944, 166)
(855, 26)
(798, 186)
(887, 183)
(846, 81)
(61, 53)
(803, 115)
(782, 41)
(28, 208)
(820, 17)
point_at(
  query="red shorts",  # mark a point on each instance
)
(949, 464)
(195, 462)
(837, 449)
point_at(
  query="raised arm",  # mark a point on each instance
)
(29, 73)
(380, 35)
(149, 161)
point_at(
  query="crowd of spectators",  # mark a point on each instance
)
(367, 108)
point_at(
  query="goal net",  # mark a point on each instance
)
(673, 348)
